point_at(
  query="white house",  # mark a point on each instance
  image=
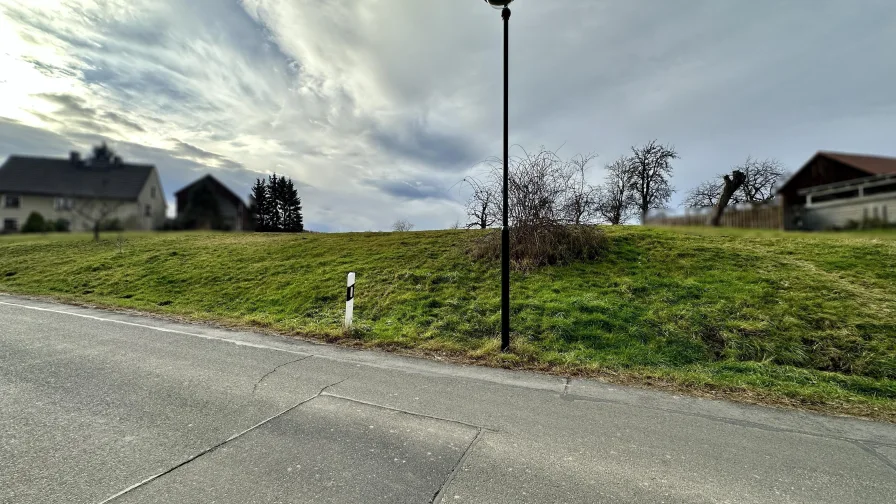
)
(82, 193)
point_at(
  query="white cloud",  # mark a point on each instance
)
(376, 105)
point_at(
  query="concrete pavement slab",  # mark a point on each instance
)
(328, 450)
(87, 409)
(92, 402)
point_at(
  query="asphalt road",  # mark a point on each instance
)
(103, 407)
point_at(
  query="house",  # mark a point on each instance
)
(834, 190)
(81, 192)
(220, 207)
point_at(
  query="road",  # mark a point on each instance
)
(98, 407)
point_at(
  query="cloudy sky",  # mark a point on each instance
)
(379, 107)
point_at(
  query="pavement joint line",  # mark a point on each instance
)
(215, 447)
(407, 412)
(269, 373)
(565, 395)
(440, 493)
(732, 421)
(880, 456)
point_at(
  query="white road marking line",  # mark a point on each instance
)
(160, 329)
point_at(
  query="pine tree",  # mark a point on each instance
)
(275, 210)
(260, 205)
(293, 208)
(276, 206)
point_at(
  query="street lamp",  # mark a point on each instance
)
(505, 228)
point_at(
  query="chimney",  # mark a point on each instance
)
(75, 158)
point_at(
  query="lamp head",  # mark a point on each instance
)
(499, 4)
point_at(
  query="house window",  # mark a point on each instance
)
(10, 225)
(13, 201)
(152, 192)
(63, 203)
(147, 211)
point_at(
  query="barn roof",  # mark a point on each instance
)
(872, 165)
(223, 189)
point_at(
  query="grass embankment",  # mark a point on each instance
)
(796, 319)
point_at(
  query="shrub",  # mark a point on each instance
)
(34, 224)
(544, 244)
(59, 226)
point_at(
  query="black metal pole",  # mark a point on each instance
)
(505, 230)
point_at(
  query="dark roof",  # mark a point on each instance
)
(872, 165)
(223, 189)
(60, 177)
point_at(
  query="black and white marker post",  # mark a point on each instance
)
(349, 300)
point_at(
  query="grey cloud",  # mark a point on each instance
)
(17, 138)
(415, 141)
(334, 98)
(185, 149)
(72, 108)
(410, 190)
(121, 121)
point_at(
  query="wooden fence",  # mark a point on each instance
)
(757, 217)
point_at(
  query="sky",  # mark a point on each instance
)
(377, 109)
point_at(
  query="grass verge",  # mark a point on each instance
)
(802, 320)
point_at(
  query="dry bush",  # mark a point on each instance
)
(551, 204)
(544, 245)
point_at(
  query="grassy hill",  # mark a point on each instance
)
(802, 319)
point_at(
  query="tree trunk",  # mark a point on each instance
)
(732, 184)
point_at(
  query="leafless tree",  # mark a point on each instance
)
(97, 210)
(649, 171)
(580, 204)
(705, 195)
(537, 188)
(615, 204)
(549, 200)
(761, 178)
(483, 201)
(733, 184)
(402, 226)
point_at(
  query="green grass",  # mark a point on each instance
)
(792, 318)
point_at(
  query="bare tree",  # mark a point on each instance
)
(402, 226)
(614, 199)
(482, 202)
(705, 195)
(537, 188)
(649, 171)
(580, 205)
(547, 197)
(733, 184)
(761, 178)
(97, 210)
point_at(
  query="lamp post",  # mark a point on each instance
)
(505, 227)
